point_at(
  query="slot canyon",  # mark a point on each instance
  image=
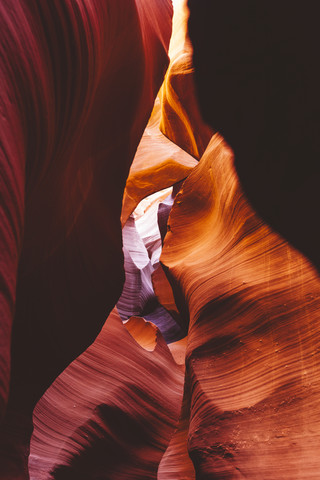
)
(159, 241)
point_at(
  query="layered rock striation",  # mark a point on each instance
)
(252, 354)
(80, 79)
(208, 365)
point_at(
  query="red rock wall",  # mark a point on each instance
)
(112, 412)
(80, 82)
(238, 397)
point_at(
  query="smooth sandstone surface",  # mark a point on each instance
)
(159, 163)
(252, 355)
(112, 412)
(238, 396)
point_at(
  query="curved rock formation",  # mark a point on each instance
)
(164, 294)
(80, 82)
(158, 164)
(181, 120)
(111, 414)
(253, 339)
(257, 78)
(142, 249)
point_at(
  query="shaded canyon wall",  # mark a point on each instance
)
(207, 365)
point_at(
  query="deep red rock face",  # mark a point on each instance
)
(176, 463)
(230, 388)
(80, 80)
(111, 413)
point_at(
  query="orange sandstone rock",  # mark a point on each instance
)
(158, 164)
(181, 120)
(252, 356)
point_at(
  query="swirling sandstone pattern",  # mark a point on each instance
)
(111, 414)
(159, 163)
(80, 82)
(176, 463)
(238, 396)
(253, 343)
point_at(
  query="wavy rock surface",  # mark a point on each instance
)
(112, 412)
(165, 297)
(252, 355)
(176, 463)
(250, 301)
(80, 82)
(158, 164)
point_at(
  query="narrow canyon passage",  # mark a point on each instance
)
(164, 327)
